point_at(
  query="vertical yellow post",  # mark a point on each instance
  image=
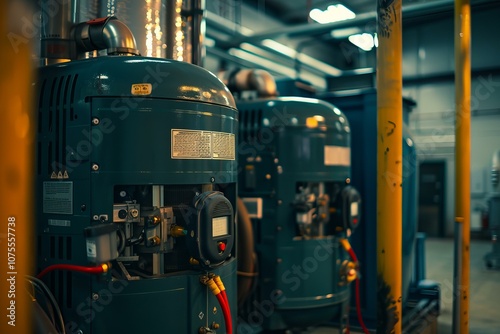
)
(16, 174)
(462, 167)
(389, 166)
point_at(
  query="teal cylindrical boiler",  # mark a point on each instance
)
(140, 153)
(294, 175)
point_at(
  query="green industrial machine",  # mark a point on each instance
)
(294, 163)
(136, 171)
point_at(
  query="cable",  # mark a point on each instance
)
(90, 270)
(222, 288)
(347, 246)
(222, 298)
(41, 285)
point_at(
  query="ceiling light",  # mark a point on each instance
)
(364, 41)
(333, 13)
(302, 57)
(345, 32)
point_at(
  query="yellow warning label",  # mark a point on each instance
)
(141, 89)
(200, 144)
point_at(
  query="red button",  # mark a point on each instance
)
(222, 246)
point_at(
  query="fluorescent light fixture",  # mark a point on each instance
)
(286, 71)
(364, 41)
(345, 32)
(209, 42)
(333, 13)
(281, 48)
(303, 58)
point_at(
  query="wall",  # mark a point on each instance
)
(428, 66)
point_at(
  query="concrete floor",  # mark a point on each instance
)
(484, 287)
(484, 304)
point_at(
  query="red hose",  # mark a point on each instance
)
(345, 243)
(89, 270)
(226, 312)
(358, 309)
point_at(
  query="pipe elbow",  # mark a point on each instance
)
(107, 33)
(263, 82)
(118, 38)
(257, 80)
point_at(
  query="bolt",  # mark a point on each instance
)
(276, 160)
(280, 202)
(215, 325)
(154, 241)
(207, 262)
(212, 179)
(279, 260)
(83, 207)
(95, 217)
(95, 296)
(95, 121)
(214, 310)
(268, 176)
(348, 180)
(79, 331)
(134, 213)
(95, 167)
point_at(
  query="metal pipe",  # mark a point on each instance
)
(251, 79)
(105, 33)
(457, 276)
(170, 29)
(56, 42)
(197, 32)
(389, 164)
(17, 165)
(462, 163)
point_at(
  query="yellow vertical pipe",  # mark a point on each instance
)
(389, 165)
(462, 163)
(16, 175)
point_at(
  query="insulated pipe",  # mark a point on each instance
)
(105, 33)
(16, 166)
(389, 166)
(462, 167)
